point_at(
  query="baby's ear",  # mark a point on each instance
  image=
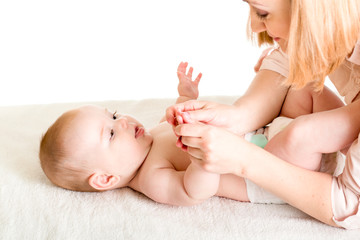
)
(103, 182)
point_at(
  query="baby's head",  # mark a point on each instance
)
(92, 149)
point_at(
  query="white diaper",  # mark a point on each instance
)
(257, 194)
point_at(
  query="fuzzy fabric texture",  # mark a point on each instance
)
(32, 208)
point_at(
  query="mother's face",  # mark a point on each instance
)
(272, 16)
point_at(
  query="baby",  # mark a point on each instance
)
(92, 149)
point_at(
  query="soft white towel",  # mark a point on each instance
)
(32, 208)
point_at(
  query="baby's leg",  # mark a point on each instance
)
(306, 100)
(304, 140)
(299, 143)
(295, 144)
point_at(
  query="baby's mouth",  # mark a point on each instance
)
(139, 131)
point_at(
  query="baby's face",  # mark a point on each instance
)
(112, 143)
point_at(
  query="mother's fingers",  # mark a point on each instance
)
(197, 161)
(190, 105)
(196, 129)
(194, 142)
(173, 116)
(195, 153)
(191, 149)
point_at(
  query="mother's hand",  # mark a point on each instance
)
(214, 149)
(215, 114)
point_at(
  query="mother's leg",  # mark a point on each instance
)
(346, 190)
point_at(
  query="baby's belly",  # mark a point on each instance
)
(232, 187)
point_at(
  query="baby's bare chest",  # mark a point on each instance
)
(164, 152)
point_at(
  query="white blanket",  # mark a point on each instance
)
(32, 208)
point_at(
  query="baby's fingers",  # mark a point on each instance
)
(197, 80)
(189, 74)
(182, 67)
(180, 145)
(179, 119)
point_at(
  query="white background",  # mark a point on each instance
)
(72, 50)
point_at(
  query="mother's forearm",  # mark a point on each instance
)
(262, 102)
(251, 115)
(306, 190)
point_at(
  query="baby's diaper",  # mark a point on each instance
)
(257, 194)
(260, 137)
(277, 126)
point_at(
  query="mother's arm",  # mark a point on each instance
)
(260, 104)
(221, 151)
(306, 190)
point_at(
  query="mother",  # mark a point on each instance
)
(315, 38)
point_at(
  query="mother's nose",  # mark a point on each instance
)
(257, 25)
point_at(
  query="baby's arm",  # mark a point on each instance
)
(187, 88)
(170, 186)
(200, 184)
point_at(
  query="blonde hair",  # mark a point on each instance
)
(322, 33)
(57, 161)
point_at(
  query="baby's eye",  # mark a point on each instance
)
(111, 133)
(114, 115)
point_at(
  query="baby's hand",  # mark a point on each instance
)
(187, 87)
(182, 118)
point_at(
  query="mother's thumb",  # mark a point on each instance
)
(203, 116)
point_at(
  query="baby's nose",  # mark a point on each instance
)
(123, 122)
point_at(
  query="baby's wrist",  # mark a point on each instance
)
(181, 99)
